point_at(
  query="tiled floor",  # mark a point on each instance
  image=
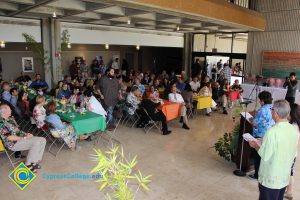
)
(184, 166)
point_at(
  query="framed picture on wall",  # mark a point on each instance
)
(27, 64)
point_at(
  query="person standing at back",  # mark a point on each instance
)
(277, 151)
(291, 84)
(110, 89)
(115, 65)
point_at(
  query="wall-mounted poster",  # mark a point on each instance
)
(280, 64)
(27, 64)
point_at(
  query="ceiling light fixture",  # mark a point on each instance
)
(2, 44)
(178, 28)
(137, 47)
(54, 14)
(69, 45)
(107, 46)
(129, 21)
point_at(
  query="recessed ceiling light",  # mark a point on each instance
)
(137, 47)
(69, 45)
(178, 28)
(107, 46)
(128, 21)
(2, 44)
(54, 15)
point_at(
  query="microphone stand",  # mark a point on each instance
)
(239, 172)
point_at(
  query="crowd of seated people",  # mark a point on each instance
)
(105, 89)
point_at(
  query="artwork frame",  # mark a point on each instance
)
(27, 64)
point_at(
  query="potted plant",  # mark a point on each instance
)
(227, 145)
(118, 176)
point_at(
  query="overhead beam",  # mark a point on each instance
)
(219, 11)
(9, 6)
(27, 8)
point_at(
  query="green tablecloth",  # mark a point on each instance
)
(86, 123)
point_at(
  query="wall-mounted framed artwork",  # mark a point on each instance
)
(27, 64)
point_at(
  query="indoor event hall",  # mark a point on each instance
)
(149, 99)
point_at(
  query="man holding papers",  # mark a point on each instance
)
(277, 153)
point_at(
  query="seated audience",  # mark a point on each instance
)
(206, 91)
(155, 114)
(195, 84)
(64, 92)
(76, 98)
(14, 100)
(146, 79)
(38, 84)
(139, 85)
(153, 93)
(187, 95)
(16, 140)
(177, 98)
(224, 92)
(204, 81)
(92, 104)
(58, 88)
(64, 130)
(6, 95)
(39, 112)
(133, 98)
(23, 78)
(180, 85)
(24, 105)
(237, 87)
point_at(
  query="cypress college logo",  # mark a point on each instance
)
(21, 176)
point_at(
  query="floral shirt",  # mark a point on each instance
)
(133, 101)
(263, 120)
(39, 114)
(8, 128)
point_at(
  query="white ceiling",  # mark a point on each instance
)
(111, 13)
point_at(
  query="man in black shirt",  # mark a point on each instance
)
(156, 115)
(292, 84)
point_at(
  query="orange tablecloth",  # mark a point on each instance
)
(171, 110)
(234, 95)
(203, 102)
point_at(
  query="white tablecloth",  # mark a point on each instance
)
(277, 93)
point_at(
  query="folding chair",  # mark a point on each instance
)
(11, 156)
(57, 140)
(151, 123)
(111, 134)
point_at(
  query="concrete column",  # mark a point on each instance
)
(46, 41)
(187, 53)
(51, 39)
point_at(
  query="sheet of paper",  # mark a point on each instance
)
(246, 115)
(248, 137)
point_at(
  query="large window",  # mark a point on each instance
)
(219, 42)
(240, 41)
(199, 43)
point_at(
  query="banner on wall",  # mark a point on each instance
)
(280, 64)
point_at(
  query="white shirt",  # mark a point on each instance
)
(96, 106)
(195, 85)
(115, 65)
(175, 98)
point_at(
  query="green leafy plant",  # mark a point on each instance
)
(118, 175)
(227, 145)
(37, 48)
(65, 39)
